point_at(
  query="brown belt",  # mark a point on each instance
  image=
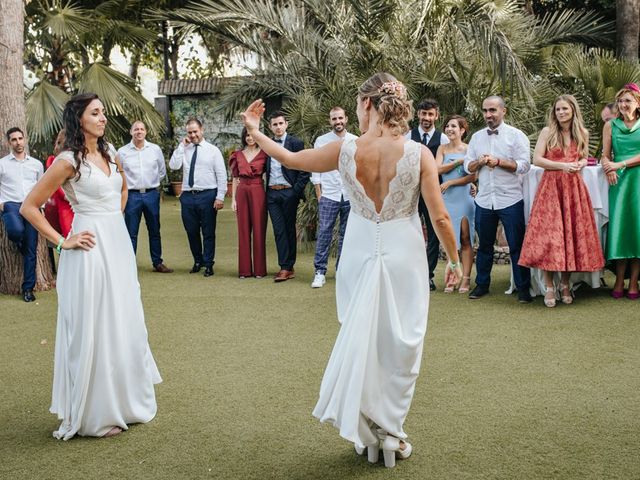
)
(279, 187)
(250, 181)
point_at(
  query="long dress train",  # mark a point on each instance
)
(104, 371)
(382, 296)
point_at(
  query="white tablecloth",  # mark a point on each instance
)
(598, 187)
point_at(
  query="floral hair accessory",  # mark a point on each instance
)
(633, 87)
(397, 89)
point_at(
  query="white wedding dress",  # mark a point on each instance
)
(382, 296)
(103, 369)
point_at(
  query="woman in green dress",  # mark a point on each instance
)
(620, 159)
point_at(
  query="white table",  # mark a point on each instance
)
(598, 187)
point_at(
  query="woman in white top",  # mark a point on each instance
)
(103, 369)
(382, 289)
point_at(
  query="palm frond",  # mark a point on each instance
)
(66, 19)
(123, 103)
(44, 106)
(571, 26)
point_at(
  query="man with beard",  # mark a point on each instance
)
(19, 172)
(428, 112)
(500, 154)
(144, 167)
(332, 199)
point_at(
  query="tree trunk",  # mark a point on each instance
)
(12, 114)
(136, 56)
(11, 270)
(107, 46)
(628, 29)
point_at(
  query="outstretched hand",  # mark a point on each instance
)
(252, 115)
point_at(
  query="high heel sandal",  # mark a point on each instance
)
(464, 289)
(391, 450)
(566, 299)
(550, 301)
(373, 452)
(449, 289)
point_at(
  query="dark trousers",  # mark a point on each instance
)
(433, 244)
(328, 211)
(512, 219)
(25, 237)
(199, 220)
(252, 225)
(147, 204)
(283, 207)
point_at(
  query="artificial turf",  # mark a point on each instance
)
(507, 391)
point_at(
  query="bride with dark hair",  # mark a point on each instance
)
(104, 371)
(382, 289)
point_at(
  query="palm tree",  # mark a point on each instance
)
(68, 49)
(628, 29)
(316, 52)
(594, 76)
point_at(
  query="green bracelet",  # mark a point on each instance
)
(453, 265)
(59, 246)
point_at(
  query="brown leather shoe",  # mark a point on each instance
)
(282, 276)
(162, 268)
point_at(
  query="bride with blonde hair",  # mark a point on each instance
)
(382, 289)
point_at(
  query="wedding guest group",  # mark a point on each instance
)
(144, 168)
(428, 113)
(104, 372)
(285, 189)
(333, 199)
(19, 173)
(249, 201)
(204, 184)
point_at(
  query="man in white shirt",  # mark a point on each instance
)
(144, 168)
(428, 113)
(500, 154)
(204, 184)
(19, 172)
(332, 199)
(285, 189)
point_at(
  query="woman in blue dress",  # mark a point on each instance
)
(456, 191)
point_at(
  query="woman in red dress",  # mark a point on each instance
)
(249, 202)
(58, 211)
(562, 235)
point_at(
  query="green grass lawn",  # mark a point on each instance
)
(507, 391)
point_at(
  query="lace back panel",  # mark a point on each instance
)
(404, 188)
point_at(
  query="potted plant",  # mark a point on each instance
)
(175, 180)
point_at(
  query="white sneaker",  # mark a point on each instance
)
(318, 281)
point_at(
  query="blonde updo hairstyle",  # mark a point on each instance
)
(389, 97)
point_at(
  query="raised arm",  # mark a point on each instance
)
(318, 160)
(439, 216)
(52, 179)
